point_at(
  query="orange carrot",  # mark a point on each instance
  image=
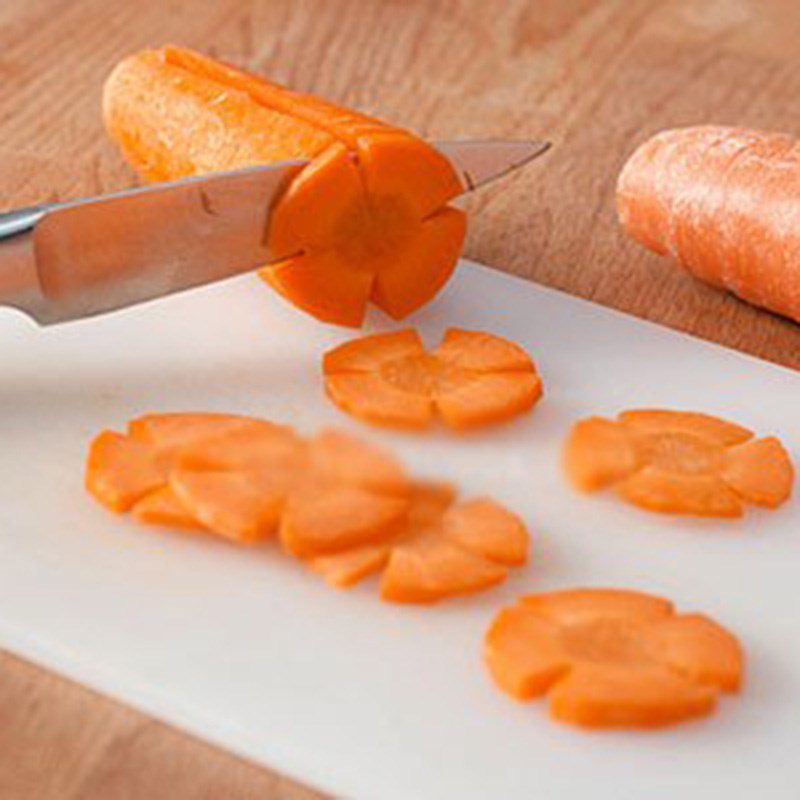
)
(472, 379)
(442, 550)
(723, 203)
(679, 462)
(611, 658)
(366, 220)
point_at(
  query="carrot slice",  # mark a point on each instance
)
(485, 527)
(603, 697)
(432, 568)
(162, 507)
(337, 456)
(759, 471)
(598, 453)
(391, 380)
(702, 426)
(120, 470)
(612, 658)
(678, 462)
(672, 493)
(236, 505)
(720, 201)
(367, 217)
(328, 518)
(441, 550)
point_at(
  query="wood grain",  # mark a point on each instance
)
(595, 76)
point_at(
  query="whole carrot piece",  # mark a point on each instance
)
(725, 203)
(366, 221)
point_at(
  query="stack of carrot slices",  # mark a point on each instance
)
(679, 462)
(344, 507)
(610, 658)
(471, 379)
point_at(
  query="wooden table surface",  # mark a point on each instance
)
(594, 76)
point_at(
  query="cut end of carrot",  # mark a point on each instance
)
(611, 658)
(678, 462)
(472, 379)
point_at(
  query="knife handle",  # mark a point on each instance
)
(21, 220)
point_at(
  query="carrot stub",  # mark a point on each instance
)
(723, 203)
(612, 658)
(679, 462)
(366, 220)
(471, 379)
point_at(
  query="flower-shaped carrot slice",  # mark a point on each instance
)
(679, 462)
(471, 379)
(444, 549)
(610, 657)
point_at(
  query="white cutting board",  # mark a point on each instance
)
(357, 697)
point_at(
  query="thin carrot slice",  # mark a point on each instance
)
(678, 462)
(337, 456)
(482, 352)
(236, 505)
(320, 519)
(598, 453)
(703, 426)
(429, 502)
(759, 471)
(523, 653)
(485, 527)
(487, 399)
(162, 507)
(700, 649)
(611, 657)
(390, 380)
(343, 570)
(674, 493)
(370, 353)
(370, 398)
(259, 446)
(603, 697)
(433, 568)
(586, 606)
(420, 263)
(121, 470)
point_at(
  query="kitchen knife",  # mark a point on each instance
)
(65, 261)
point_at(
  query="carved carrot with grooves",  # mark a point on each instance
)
(724, 203)
(366, 220)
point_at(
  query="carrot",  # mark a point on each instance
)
(678, 462)
(365, 221)
(611, 658)
(162, 507)
(723, 203)
(443, 550)
(471, 379)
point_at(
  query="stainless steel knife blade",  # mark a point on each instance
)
(82, 258)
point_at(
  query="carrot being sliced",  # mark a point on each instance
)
(162, 507)
(391, 380)
(121, 470)
(366, 219)
(610, 658)
(678, 462)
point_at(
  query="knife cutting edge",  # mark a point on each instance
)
(85, 257)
